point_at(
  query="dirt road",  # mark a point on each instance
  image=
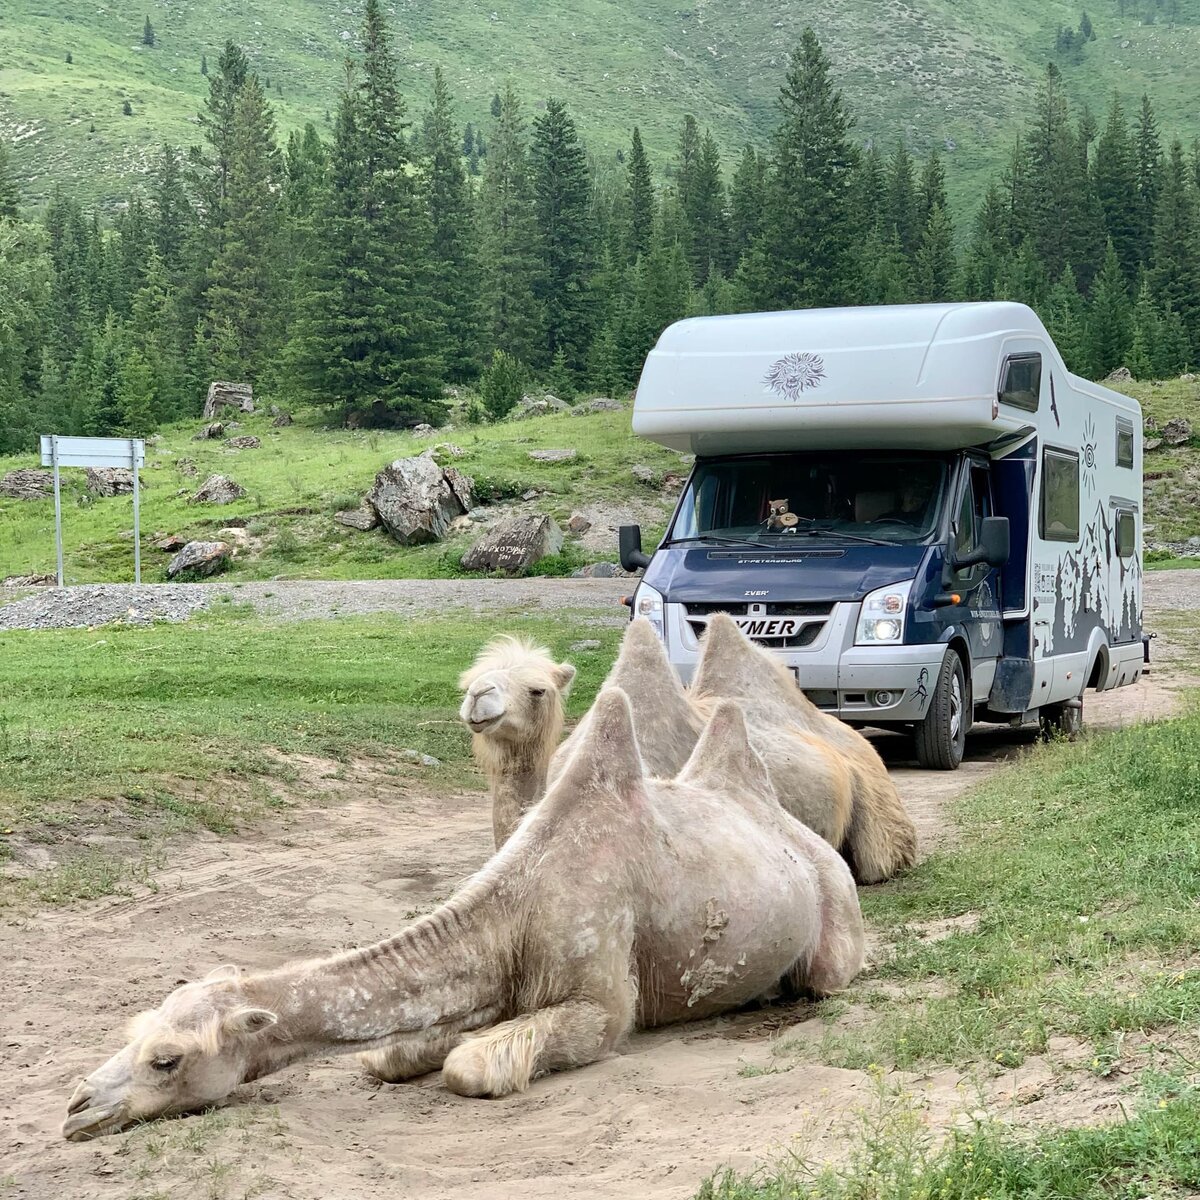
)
(654, 1120)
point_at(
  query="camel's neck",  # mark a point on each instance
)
(518, 779)
(447, 972)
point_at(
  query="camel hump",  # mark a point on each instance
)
(643, 661)
(607, 757)
(723, 758)
(732, 665)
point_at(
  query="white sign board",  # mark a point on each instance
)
(93, 452)
(130, 453)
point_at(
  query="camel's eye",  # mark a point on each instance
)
(166, 1062)
(537, 693)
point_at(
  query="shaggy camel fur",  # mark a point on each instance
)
(513, 705)
(619, 901)
(879, 839)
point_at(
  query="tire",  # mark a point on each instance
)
(942, 736)
(1063, 720)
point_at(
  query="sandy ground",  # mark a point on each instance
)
(675, 1105)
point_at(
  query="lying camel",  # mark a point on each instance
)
(879, 839)
(513, 705)
(619, 901)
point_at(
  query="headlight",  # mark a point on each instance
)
(649, 604)
(881, 618)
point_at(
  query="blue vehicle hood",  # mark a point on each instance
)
(813, 571)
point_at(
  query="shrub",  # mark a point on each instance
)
(503, 384)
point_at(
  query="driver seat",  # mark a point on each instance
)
(870, 506)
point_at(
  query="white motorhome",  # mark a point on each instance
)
(918, 508)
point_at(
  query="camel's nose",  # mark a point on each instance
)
(81, 1097)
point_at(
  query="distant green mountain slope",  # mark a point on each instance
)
(957, 74)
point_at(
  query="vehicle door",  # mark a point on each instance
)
(978, 585)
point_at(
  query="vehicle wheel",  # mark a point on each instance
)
(942, 735)
(1063, 720)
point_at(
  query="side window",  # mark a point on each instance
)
(1126, 533)
(1060, 495)
(1021, 381)
(1124, 442)
(964, 523)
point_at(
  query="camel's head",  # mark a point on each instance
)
(514, 691)
(191, 1051)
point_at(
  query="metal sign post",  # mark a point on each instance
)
(129, 453)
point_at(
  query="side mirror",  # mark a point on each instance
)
(633, 557)
(993, 547)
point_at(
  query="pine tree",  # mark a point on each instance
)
(154, 333)
(1175, 265)
(1149, 156)
(807, 247)
(70, 58)
(136, 395)
(203, 64)
(1147, 334)
(243, 277)
(935, 265)
(233, 69)
(508, 239)
(1110, 317)
(148, 38)
(126, 108)
(561, 203)
(8, 186)
(455, 275)
(708, 245)
(746, 198)
(102, 413)
(933, 189)
(1115, 176)
(1174, 355)
(1066, 320)
(172, 212)
(641, 199)
(903, 213)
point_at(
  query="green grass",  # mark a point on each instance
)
(144, 732)
(302, 475)
(944, 73)
(1153, 1154)
(1080, 871)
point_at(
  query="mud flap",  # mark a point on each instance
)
(1012, 688)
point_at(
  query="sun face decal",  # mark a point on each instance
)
(1087, 452)
(795, 374)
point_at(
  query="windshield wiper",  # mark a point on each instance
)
(716, 537)
(850, 537)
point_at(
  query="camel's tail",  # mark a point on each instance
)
(882, 839)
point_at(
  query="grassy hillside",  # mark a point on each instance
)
(956, 74)
(303, 474)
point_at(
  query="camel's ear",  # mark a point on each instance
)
(248, 1021)
(228, 971)
(564, 676)
(607, 755)
(723, 757)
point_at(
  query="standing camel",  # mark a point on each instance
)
(620, 901)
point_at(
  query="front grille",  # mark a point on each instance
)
(740, 608)
(806, 633)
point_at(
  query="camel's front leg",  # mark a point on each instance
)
(506, 1057)
(409, 1059)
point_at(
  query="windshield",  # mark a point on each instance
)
(778, 498)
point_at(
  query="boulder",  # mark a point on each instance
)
(243, 443)
(213, 432)
(600, 404)
(237, 537)
(515, 544)
(1177, 431)
(282, 420)
(27, 484)
(644, 475)
(1120, 375)
(171, 544)
(200, 558)
(538, 406)
(218, 489)
(186, 466)
(423, 430)
(1152, 443)
(552, 456)
(578, 524)
(444, 450)
(416, 499)
(364, 518)
(602, 570)
(23, 581)
(110, 481)
(238, 396)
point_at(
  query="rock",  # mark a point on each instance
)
(21, 581)
(1149, 424)
(1120, 375)
(480, 515)
(423, 430)
(363, 518)
(238, 396)
(1177, 431)
(1187, 377)
(584, 644)
(1152, 443)
(444, 450)
(552, 456)
(672, 482)
(110, 481)
(200, 558)
(515, 544)
(171, 544)
(530, 494)
(236, 536)
(578, 524)
(423, 760)
(644, 475)
(186, 466)
(243, 443)
(27, 484)
(602, 570)
(218, 489)
(461, 524)
(213, 432)
(282, 420)
(416, 499)
(600, 404)
(538, 406)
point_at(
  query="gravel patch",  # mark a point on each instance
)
(103, 604)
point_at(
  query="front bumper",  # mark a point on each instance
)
(864, 684)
